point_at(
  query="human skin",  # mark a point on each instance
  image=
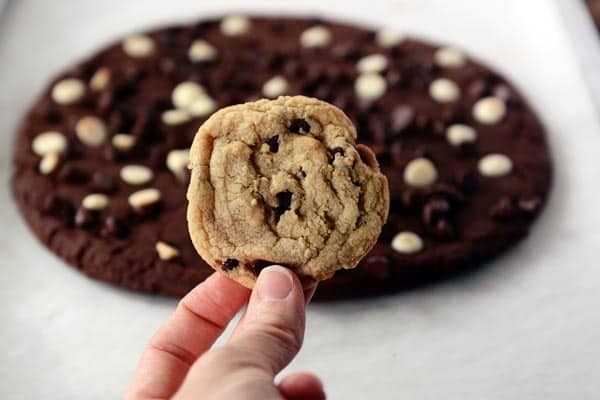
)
(179, 363)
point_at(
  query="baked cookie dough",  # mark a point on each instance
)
(464, 154)
(283, 182)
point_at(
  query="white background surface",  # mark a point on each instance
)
(525, 327)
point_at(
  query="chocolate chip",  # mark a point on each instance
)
(435, 209)
(166, 65)
(444, 230)
(338, 150)
(504, 208)
(273, 143)
(324, 93)
(491, 79)
(117, 121)
(378, 267)
(301, 174)
(72, 174)
(110, 153)
(85, 218)
(476, 89)
(530, 205)
(411, 199)
(141, 122)
(449, 113)
(276, 61)
(229, 264)
(285, 200)
(102, 183)
(131, 73)
(393, 77)
(503, 92)
(114, 226)
(312, 21)
(467, 180)
(259, 265)
(402, 118)
(300, 125)
(345, 51)
(105, 101)
(447, 191)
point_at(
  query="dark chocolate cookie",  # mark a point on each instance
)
(100, 158)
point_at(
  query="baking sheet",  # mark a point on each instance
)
(526, 327)
(585, 38)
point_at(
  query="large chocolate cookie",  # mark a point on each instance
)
(283, 182)
(100, 158)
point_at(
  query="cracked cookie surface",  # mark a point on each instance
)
(283, 182)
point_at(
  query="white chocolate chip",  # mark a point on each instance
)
(91, 131)
(95, 202)
(175, 117)
(177, 161)
(201, 51)
(444, 90)
(495, 165)
(165, 251)
(370, 86)
(275, 87)
(489, 110)
(136, 174)
(449, 57)
(317, 36)
(144, 198)
(388, 38)
(407, 243)
(186, 93)
(420, 172)
(202, 106)
(373, 63)
(68, 91)
(100, 79)
(235, 25)
(49, 142)
(123, 141)
(458, 134)
(138, 46)
(48, 163)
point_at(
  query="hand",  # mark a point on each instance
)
(178, 362)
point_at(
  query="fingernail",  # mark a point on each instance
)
(274, 283)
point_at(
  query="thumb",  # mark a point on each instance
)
(267, 338)
(272, 329)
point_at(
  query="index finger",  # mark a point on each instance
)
(200, 318)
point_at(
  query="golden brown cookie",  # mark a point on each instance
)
(283, 182)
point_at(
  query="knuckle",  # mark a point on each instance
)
(288, 337)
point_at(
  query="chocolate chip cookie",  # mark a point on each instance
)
(283, 182)
(99, 164)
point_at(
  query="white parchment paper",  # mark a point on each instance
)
(525, 327)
